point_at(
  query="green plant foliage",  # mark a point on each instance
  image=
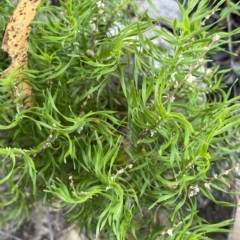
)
(121, 131)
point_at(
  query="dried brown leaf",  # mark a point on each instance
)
(15, 43)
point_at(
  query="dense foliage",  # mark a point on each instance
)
(122, 130)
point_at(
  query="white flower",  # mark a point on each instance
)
(206, 48)
(226, 172)
(208, 71)
(193, 190)
(152, 132)
(237, 167)
(90, 53)
(170, 231)
(108, 188)
(129, 166)
(191, 78)
(208, 16)
(100, 4)
(120, 171)
(207, 185)
(216, 38)
(172, 98)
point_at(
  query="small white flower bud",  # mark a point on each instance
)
(216, 38)
(90, 53)
(226, 172)
(207, 185)
(172, 98)
(190, 78)
(206, 48)
(120, 171)
(237, 167)
(208, 71)
(170, 232)
(129, 166)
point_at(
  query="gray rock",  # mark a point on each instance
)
(168, 9)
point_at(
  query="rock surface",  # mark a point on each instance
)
(168, 9)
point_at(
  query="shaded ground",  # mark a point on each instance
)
(44, 224)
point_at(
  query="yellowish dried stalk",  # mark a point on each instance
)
(235, 235)
(15, 43)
